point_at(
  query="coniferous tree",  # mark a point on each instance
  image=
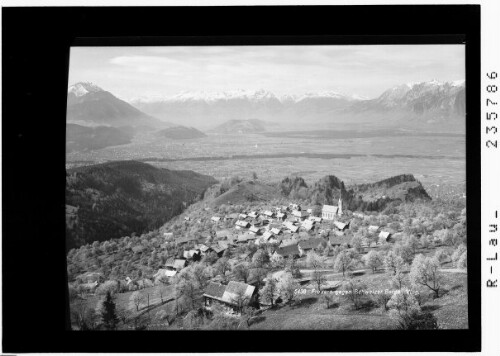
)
(108, 314)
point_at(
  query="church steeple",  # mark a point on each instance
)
(340, 206)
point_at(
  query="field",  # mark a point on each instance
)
(439, 165)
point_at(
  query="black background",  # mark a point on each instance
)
(35, 49)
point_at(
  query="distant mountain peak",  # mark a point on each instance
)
(83, 88)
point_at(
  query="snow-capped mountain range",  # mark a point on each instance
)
(418, 103)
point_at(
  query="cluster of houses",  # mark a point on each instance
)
(288, 228)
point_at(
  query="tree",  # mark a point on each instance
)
(287, 287)
(424, 241)
(353, 294)
(189, 290)
(242, 271)
(405, 309)
(136, 299)
(260, 258)
(455, 257)
(373, 260)
(222, 266)
(240, 299)
(462, 261)
(344, 262)
(269, 292)
(258, 274)
(356, 244)
(392, 262)
(199, 274)
(441, 256)
(425, 271)
(404, 251)
(398, 279)
(108, 313)
(328, 299)
(250, 312)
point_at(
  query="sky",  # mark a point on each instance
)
(366, 70)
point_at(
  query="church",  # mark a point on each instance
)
(329, 212)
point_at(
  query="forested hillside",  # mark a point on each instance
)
(115, 199)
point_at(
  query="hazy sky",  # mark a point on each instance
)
(131, 72)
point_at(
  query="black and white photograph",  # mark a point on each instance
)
(252, 187)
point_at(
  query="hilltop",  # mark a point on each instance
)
(81, 138)
(180, 133)
(115, 199)
(240, 126)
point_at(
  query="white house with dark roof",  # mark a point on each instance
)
(330, 212)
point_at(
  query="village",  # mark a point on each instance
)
(239, 261)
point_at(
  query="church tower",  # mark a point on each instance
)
(340, 206)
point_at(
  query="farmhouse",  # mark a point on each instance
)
(253, 215)
(276, 231)
(340, 225)
(386, 236)
(336, 241)
(269, 213)
(175, 264)
(373, 229)
(285, 252)
(191, 254)
(242, 216)
(242, 223)
(254, 229)
(300, 214)
(281, 216)
(215, 219)
(219, 248)
(307, 225)
(233, 295)
(267, 235)
(186, 239)
(307, 245)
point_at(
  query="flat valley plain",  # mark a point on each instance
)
(435, 159)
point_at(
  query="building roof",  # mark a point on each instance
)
(340, 225)
(185, 239)
(215, 290)
(311, 243)
(246, 237)
(290, 250)
(373, 228)
(215, 218)
(233, 288)
(330, 209)
(384, 234)
(254, 229)
(242, 223)
(275, 230)
(336, 240)
(179, 263)
(267, 235)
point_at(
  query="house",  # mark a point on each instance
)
(233, 295)
(384, 235)
(269, 213)
(256, 222)
(186, 218)
(373, 229)
(175, 264)
(295, 206)
(220, 248)
(315, 219)
(284, 209)
(186, 239)
(309, 211)
(267, 235)
(242, 216)
(246, 237)
(276, 231)
(192, 255)
(242, 224)
(336, 241)
(340, 225)
(231, 217)
(307, 245)
(307, 225)
(215, 219)
(168, 235)
(204, 249)
(254, 230)
(164, 272)
(253, 215)
(286, 252)
(300, 214)
(281, 216)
